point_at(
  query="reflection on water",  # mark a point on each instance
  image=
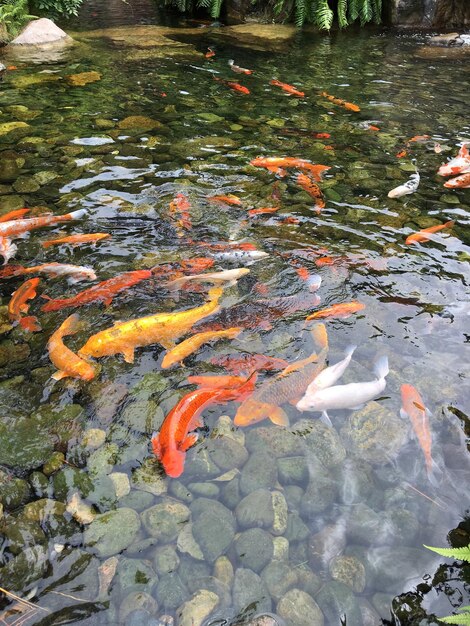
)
(307, 522)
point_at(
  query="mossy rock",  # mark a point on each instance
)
(84, 78)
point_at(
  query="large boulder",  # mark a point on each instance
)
(42, 32)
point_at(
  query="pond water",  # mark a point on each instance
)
(315, 524)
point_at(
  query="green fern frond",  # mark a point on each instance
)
(462, 554)
(300, 12)
(365, 12)
(353, 10)
(204, 3)
(215, 8)
(342, 16)
(377, 11)
(279, 5)
(460, 620)
(323, 15)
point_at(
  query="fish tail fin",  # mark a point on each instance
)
(76, 215)
(30, 323)
(325, 418)
(70, 325)
(434, 473)
(320, 335)
(450, 224)
(381, 367)
(47, 244)
(231, 62)
(350, 350)
(156, 447)
(59, 375)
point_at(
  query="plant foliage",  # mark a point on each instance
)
(57, 8)
(463, 554)
(14, 14)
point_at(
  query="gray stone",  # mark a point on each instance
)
(135, 601)
(389, 568)
(213, 527)
(230, 493)
(328, 543)
(249, 589)
(165, 560)
(259, 472)
(227, 453)
(13, 491)
(293, 470)
(170, 592)
(23, 534)
(279, 577)
(254, 549)
(322, 442)
(296, 530)
(135, 575)
(280, 508)
(164, 520)
(148, 478)
(204, 490)
(278, 442)
(195, 610)
(299, 609)
(354, 481)
(255, 510)
(191, 570)
(26, 568)
(321, 492)
(338, 602)
(350, 571)
(112, 532)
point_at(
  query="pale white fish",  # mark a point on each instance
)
(349, 396)
(328, 377)
(74, 273)
(240, 255)
(7, 249)
(230, 276)
(314, 282)
(410, 186)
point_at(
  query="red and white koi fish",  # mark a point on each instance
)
(459, 182)
(74, 273)
(458, 165)
(18, 228)
(7, 249)
(237, 69)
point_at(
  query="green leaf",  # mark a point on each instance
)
(342, 17)
(365, 12)
(461, 620)
(300, 12)
(462, 554)
(377, 11)
(323, 15)
(353, 10)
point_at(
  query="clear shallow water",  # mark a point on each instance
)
(351, 492)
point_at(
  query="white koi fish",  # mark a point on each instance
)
(230, 276)
(327, 377)
(410, 186)
(74, 273)
(7, 249)
(350, 396)
(240, 255)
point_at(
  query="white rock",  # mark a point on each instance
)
(122, 485)
(40, 32)
(79, 510)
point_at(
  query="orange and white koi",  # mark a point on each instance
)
(18, 228)
(424, 235)
(292, 91)
(229, 276)
(459, 182)
(274, 164)
(458, 165)
(237, 69)
(210, 53)
(341, 310)
(18, 305)
(312, 189)
(413, 408)
(192, 344)
(340, 102)
(74, 273)
(76, 240)
(7, 249)
(67, 362)
(163, 328)
(228, 199)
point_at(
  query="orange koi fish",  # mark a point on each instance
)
(423, 235)
(233, 85)
(67, 362)
(247, 363)
(217, 382)
(14, 215)
(339, 102)
(312, 189)
(418, 139)
(102, 292)
(401, 154)
(210, 53)
(372, 127)
(180, 206)
(413, 408)
(17, 305)
(74, 273)
(237, 69)
(327, 260)
(274, 164)
(175, 437)
(290, 220)
(163, 328)
(458, 165)
(192, 344)
(263, 210)
(459, 182)
(228, 199)
(18, 228)
(288, 386)
(287, 88)
(76, 240)
(342, 310)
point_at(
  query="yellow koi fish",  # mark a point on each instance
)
(163, 328)
(190, 345)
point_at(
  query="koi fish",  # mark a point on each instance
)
(180, 206)
(237, 254)
(342, 310)
(350, 396)
(288, 386)
(248, 363)
(413, 408)
(228, 199)
(181, 268)
(163, 328)
(76, 240)
(437, 148)
(372, 127)
(176, 437)
(18, 228)
(258, 314)
(14, 215)
(192, 344)
(7, 249)
(418, 139)
(75, 273)
(238, 69)
(287, 88)
(410, 186)
(67, 362)
(263, 211)
(312, 189)
(273, 164)
(307, 133)
(233, 85)
(217, 382)
(230, 276)
(423, 235)
(401, 154)
(18, 305)
(458, 165)
(339, 102)
(102, 292)
(459, 182)
(210, 53)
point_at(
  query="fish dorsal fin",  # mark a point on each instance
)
(463, 152)
(188, 442)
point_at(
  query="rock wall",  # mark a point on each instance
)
(442, 14)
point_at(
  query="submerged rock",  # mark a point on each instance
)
(248, 590)
(79, 80)
(256, 36)
(339, 603)
(213, 527)
(112, 532)
(254, 549)
(194, 611)
(164, 520)
(299, 609)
